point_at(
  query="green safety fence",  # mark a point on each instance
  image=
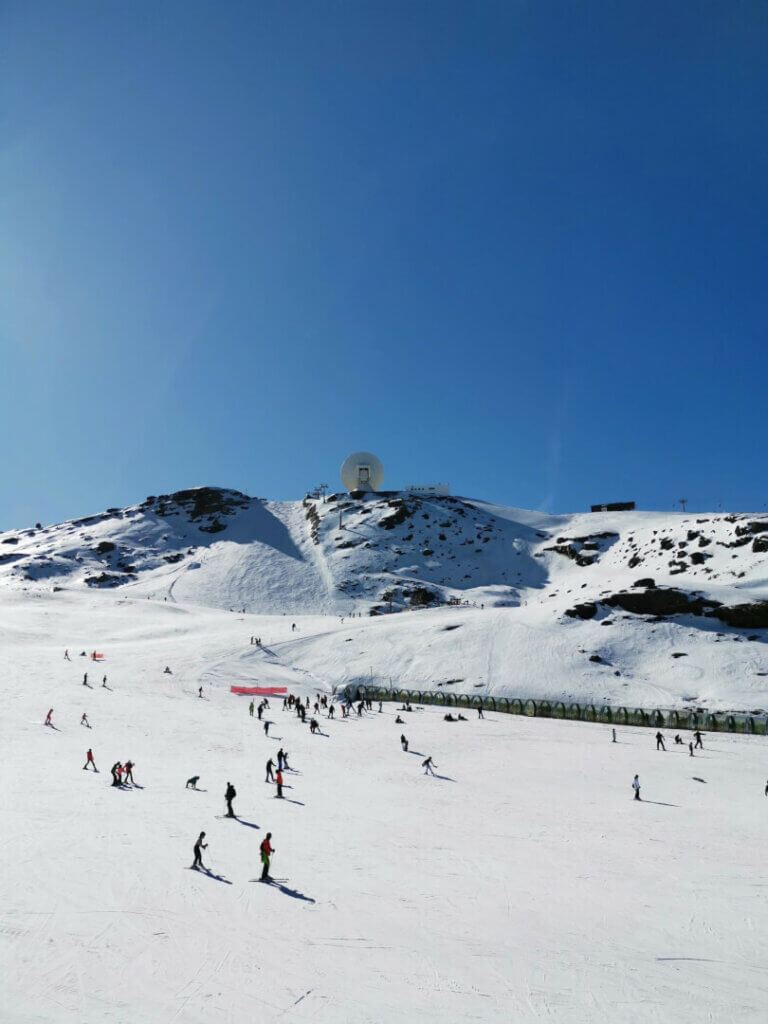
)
(655, 718)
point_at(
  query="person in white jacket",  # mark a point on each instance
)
(636, 787)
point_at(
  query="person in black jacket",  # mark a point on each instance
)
(199, 846)
(229, 796)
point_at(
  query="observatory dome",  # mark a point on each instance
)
(362, 472)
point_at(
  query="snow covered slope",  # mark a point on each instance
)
(633, 607)
(521, 884)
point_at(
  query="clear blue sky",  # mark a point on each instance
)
(518, 246)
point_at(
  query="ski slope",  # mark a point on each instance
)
(523, 883)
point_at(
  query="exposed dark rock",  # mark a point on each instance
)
(173, 558)
(745, 616)
(595, 657)
(586, 610)
(679, 654)
(645, 582)
(105, 547)
(760, 544)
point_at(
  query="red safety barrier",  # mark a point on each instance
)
(259, 691)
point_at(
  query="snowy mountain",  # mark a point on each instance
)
(669, 587)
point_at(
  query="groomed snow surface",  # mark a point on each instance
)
(523, 883)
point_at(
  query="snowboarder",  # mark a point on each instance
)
(279, 781)
(167, 670)
(128, 772)
(636, 787)
(89, 760)
(399, 721)
(250, 709)
(678, 739)
(192, 782)
(270, 776)
(48, 718)
(266, 852)
(199, 847)
(427, 766)
(697, 737)
(84, 721)
(313, 726)
(660, 742)
(404, 742)
(229, 796)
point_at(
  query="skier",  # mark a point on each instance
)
(104, 681)
(84, 721)
(690, 749)
(636, 787)
(250, 709)
(260, 711)
(330, 711)
(66, 656)
(128, 772)
(613, 731)
(660, 742)
(293, 627)
(192, 782)
(199, 846)
(200, 692)
(266, 852)
(48, 718)
(481, 715)
(379, 707)
(404, 742)
(766, 789)
(285, 762)
(229, 796)
(313, 726)
(697, 737)
(116, 769)
(89, 760)
(427, 766)
(266, 727)
(270, 776)
(279, 781)
(85, 679)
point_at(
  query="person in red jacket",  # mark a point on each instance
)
(89, 760)
(48, 718)
(279, 781)
(266, 852)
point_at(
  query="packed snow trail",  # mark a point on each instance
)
(521, 883)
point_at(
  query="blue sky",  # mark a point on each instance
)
(517, 246)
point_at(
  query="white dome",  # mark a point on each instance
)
(362, 472)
